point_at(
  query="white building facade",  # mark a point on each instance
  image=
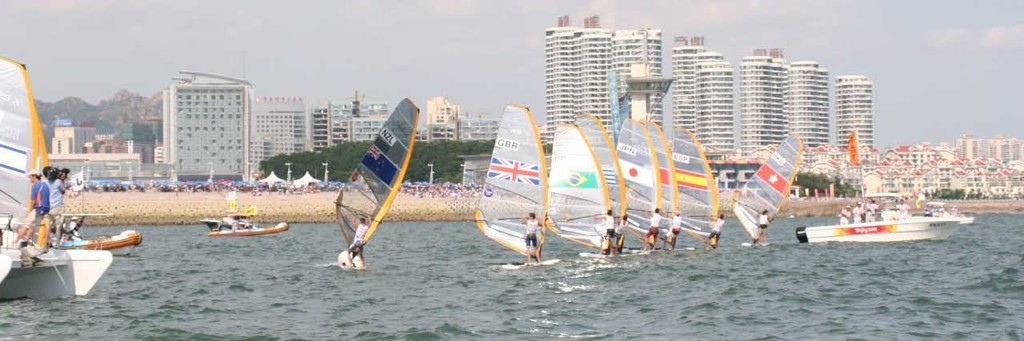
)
(762, 99)
(714, 104)
(807, 103)
(280, 126)
(855, 109)
(632, 47)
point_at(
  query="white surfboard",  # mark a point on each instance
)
(517, 266)
(343, 262)
(749, 244)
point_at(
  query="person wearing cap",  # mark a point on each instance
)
(38, 207)
(858, 213)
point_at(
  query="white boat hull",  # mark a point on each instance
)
(5, 267)
(885, 231)
(62, 273)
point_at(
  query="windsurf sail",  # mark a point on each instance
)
(768, 189)
(377, 179)
(638, 160)
(578, 199)
(669, 193)
(604, 149)
(516, 182)
(698, 194)
(22, 145)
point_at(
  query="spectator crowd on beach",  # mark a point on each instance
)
(417, 190)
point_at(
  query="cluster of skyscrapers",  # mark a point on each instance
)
(775, 96)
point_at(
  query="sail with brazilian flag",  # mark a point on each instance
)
(579, 198)
(698, 194)
(377, 179)
(768, 189)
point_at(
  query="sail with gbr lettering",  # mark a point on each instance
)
(768, 189)
(516, 183)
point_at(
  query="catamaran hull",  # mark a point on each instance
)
(119, 245)
(62, 273)
(888, 231)
(5, 267)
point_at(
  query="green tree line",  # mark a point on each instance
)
(343, 158)
(821, 182)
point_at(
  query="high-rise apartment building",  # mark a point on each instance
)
(441, 111)
(762, 99)
(70, 137)
(806, 102)
(206, 125)
(577, 62)
(855, 110)
(970, 147)
(686, 54)
(279, 126)
(714, 104)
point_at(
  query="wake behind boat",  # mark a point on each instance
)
(364, 202)
(54, 272)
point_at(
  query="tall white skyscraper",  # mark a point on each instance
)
(714, 104)
(855, 110)
(206, 126)
(577, 62)
(641, 46)
(762, 99)
(807, 102)
(686, 54)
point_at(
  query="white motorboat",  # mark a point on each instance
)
(918, 228)
(938, 209)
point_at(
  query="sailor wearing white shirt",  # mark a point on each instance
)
(904, 210)
(532, 229)
(356, 249)
(716, 231)
(608, 224)
(670, 236)
(620, 236)
(762, 224)
(652, 232)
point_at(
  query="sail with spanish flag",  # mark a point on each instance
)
(377, 179)
(516, 183)
(768, 189)
(698, 193)
(578, 198)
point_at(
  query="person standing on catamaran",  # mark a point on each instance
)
(716, 231)
(762, 225)
(532, 229)
(652, 233)
(356, 249)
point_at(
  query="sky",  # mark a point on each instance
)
(941, 68)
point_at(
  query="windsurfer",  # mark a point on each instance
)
(652, 233)
(609, 233)
(532, 228)
(669, 242)
(716, 231)
(620, 235)
(762, 225)
(356, 249)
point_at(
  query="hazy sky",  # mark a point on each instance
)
(941, 68)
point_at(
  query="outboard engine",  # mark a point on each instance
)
(801, 234)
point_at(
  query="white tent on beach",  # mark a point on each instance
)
(272, 179)
(305, 180)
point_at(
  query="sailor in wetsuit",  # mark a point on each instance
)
(532, 229)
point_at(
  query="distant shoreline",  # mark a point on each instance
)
(141, 209)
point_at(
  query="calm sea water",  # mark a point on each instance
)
(444, 281)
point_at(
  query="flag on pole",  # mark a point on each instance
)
(854, 149)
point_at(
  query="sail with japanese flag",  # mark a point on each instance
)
(516, 183)
(768, 189)
(638, 161)
(604, 149)
(578, 198)
(662, 150)
(698, 194)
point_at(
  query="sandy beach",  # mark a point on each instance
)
(135, 208)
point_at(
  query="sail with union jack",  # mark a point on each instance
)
(514, 171)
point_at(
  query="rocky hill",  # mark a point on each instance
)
(123, 107)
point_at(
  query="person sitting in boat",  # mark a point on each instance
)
(620, 234)
(652, 232)
(762, 225)
(674, 228)
(532, 229)
(356, 249)
(716, 231)
(844, 215)
(608, 224)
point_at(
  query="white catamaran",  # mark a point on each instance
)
(377, 179)
(516, 183)
(698, 194)
(23, 148)
(769, 188)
